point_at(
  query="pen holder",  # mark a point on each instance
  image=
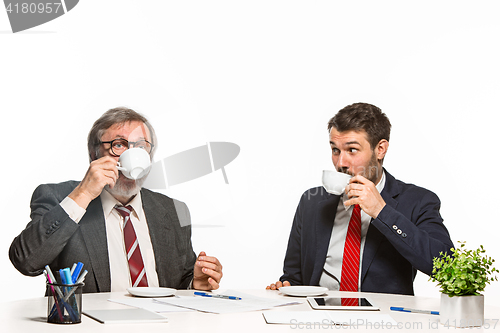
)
(64, 303)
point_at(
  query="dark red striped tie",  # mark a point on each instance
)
(135, 262)
(350, 261)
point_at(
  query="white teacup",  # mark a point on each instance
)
(134, 163)
(335, 182)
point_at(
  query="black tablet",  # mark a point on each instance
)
(341, 303)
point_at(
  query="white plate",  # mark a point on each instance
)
(151, 291)
(303, 290)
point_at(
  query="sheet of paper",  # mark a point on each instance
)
(294, 317)
(217, 305)
(148, 304)
(357, 319)
(362, 319)
(125, 316)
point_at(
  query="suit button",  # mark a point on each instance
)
(404, 235)
(395, 227)
(399, 232)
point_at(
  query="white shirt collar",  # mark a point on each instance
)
(379, 186)
(109, 202)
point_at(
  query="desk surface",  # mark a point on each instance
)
(30, 316)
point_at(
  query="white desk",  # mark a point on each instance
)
(30, 316)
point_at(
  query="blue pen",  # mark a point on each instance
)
(62, 276)
(65, 298)
(395, 308)
(76, 272)
(72, 291)
(82, 277)
(65, 275)
(69, 280)
(217, 296)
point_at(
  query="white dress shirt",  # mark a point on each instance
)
(118, 264)
(332, 270)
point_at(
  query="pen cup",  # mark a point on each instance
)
(64, 303)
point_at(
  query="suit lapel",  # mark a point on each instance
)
(327, 209)
(93, 229)
(162, 236)
(373, 237)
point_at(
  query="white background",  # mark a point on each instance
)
(266, 75)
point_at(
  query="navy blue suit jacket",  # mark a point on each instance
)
(405, 237)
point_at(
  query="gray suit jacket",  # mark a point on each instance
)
(53, 238)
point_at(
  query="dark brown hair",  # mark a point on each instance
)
(363, 116)
(119, 115)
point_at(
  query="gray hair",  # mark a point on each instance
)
(119, 115)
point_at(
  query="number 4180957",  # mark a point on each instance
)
(463, 323)
(25, 8)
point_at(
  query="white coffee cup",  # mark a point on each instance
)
(335, 182)
(134, 163)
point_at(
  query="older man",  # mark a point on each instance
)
(84, 221)
(377, 234)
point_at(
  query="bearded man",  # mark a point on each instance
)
(378, 233)
(125, 235)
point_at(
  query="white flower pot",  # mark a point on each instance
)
(461, 311)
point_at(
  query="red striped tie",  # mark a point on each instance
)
(135, 262)
(350, 261)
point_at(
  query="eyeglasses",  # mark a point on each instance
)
(118, 146)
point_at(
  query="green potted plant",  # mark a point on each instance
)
(462, 277)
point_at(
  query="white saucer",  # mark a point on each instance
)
(151, 291)
(303, 291)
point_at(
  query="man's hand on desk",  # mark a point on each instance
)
(277, 285)
(207, 272)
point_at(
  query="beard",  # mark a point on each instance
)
(371, 171)
(125, 187)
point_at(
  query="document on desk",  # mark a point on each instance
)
(125, 316)
(218, 305)
(148, 304)
(340, 318)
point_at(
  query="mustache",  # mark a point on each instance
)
(345, 170)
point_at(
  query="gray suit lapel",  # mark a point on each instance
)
(160, 218)
(94, 234)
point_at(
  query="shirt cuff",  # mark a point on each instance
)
(71, 208)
